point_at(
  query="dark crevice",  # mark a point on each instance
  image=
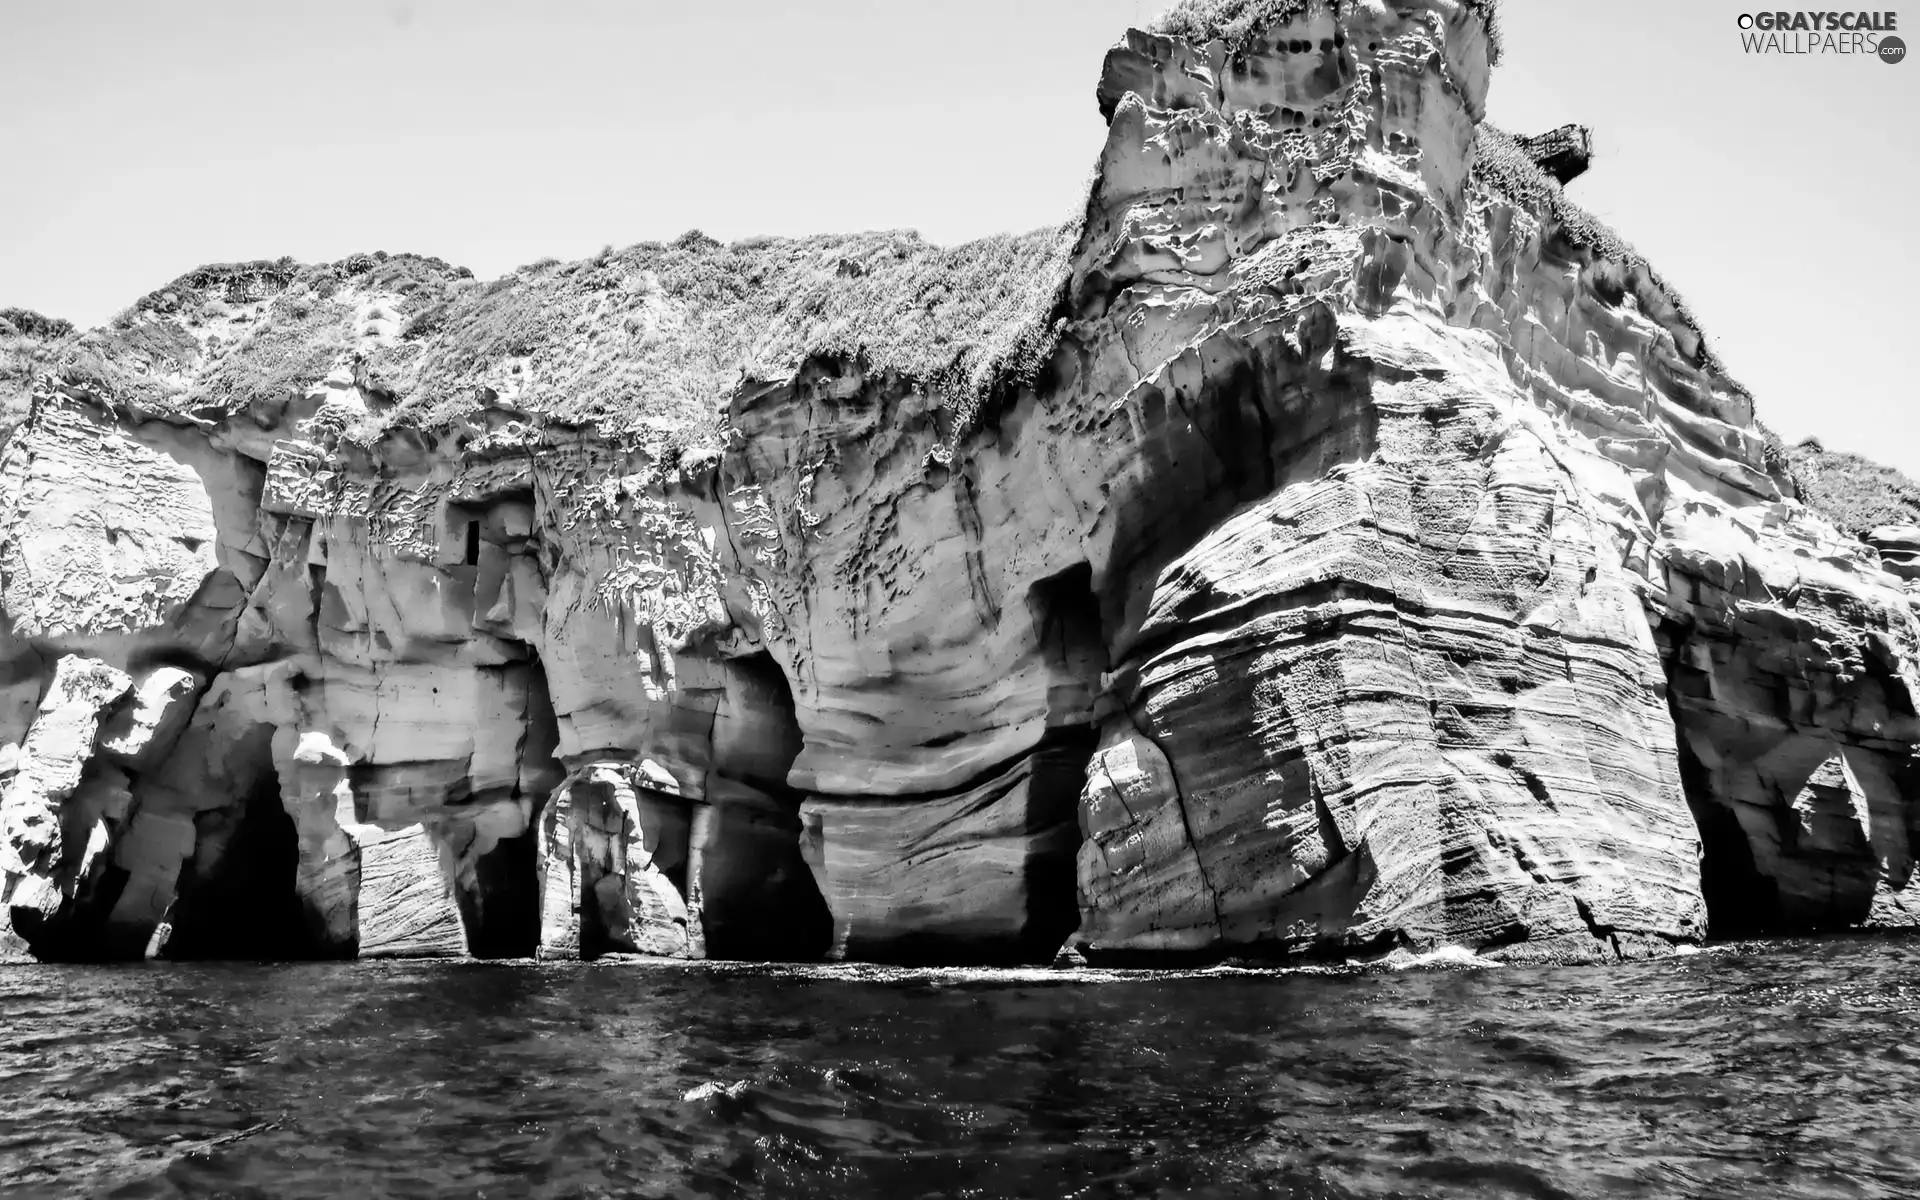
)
(501, 910)
(500, 904)
(1601, 931)
(759, 899)
(1072, 639)
(1053, 827)
(1073, 644)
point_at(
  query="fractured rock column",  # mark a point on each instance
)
(559, 870)
(40, 856)
(366, 889)
(613, 861)
(405, 906)
(189, 799)
(314, 790)
(1137, 855)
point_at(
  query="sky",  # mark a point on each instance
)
(142, 139)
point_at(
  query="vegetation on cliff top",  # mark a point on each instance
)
(1855, 493)
(228, 336)
(661, 335)
(319, 318)
(1503, 164)
(24, 339)
(1234, 21)
(24, 322)
(655, 336)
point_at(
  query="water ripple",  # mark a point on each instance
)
(1787, 1069)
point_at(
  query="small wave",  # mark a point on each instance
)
(1442, 958)
(715, 1091)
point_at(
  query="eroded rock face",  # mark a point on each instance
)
(50, 834)
(1371, 556)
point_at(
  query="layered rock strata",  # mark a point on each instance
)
(1335, 541)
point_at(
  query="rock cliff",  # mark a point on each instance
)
(1335, 540)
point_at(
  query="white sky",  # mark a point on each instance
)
(140, 139)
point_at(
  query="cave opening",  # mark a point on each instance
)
(1741, 900)
(499, 897)
(238, 895)
(760, 900)
(499, 906)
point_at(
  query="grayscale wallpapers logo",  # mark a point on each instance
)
(1796, 33)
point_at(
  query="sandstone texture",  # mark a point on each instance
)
(1334, 541)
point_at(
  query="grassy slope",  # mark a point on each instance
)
(27, 342)
(228, 336)
(1855, 493)
(654, 336)
(660, 335)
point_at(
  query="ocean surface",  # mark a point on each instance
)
(1786, 1069)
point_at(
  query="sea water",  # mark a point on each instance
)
(1781, 1069)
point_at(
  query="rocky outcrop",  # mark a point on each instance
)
(1899, 550)
(1564, 153)
(1335, 541)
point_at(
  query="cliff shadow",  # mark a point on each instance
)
(1234, 429)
